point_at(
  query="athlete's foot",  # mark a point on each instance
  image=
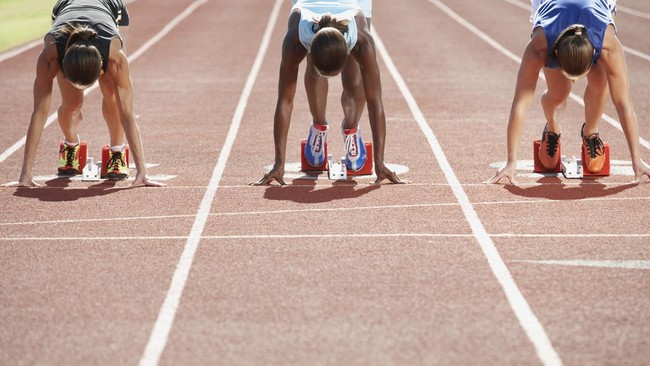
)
(355, 150)
(315, 146)
(594, 151)
(69, 160)
(548, 149)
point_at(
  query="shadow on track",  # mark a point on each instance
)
(55, 190)
(302, 191)
(588, 188)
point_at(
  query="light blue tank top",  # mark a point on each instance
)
(313, 9)
(554, 16)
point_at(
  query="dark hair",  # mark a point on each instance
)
(82, 62)
(573, 50)
(329, 49)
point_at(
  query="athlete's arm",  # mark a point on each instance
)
(532, 62)
(118, 72)
(613, 58)
(365, 54)
(47, 68)
(293, 52)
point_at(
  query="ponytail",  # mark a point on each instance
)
(326, 21)
(82, 62)
(573, 50)
(78, 34)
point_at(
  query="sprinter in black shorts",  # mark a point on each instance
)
(82, 47)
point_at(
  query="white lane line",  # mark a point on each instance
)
(630, 11)
(640, 264)
(17, 51)
(321, 236)
(333, 209)
(163, 32)
(527, 319)
(160, 332)
(615, 123)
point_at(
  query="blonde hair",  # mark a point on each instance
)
(573, 50)
(329, 49)
(82, 62)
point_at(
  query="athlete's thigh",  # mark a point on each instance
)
(558, 86)
(71, 96)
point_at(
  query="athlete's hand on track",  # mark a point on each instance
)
(141, 180)
(277, 174)
(640, 170)
(384, 173)
(509, 171)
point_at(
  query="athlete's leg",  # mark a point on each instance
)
(595, 97)
(316, 87)
(554, 99)
(69, 113)
(353, 98)
(111, 110)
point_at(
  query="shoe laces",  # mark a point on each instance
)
(351, 144)
(317, 141)
(69, 154)
(553, 142)
(594, 145)
(115, 161)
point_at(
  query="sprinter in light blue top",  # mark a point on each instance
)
(572, 39)
(311, 11)
(334, 37)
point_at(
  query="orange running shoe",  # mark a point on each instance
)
(69, 160)
(594, 151)
(548, 149)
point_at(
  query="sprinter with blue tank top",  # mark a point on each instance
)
(83, 46)
(334, 37)
(572, 39)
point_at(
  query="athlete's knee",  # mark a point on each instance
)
(597, 79)
(70, 107)
(554, 98)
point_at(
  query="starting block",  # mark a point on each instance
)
(106, 156)
(91, 171)
(604, 172)
(305, 166)
(539, 168)
(83, 154)
(571, 169)
(337, 171)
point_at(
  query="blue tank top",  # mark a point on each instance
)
(554, 16)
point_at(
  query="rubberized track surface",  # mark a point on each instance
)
(209, 270)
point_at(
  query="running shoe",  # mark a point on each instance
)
(355, 149)
(594, 151)
(116, 167)
(548, 149)
(315, 146)
(69, 160)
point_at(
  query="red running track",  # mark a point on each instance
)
(209, 270)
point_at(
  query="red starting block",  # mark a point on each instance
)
(83, 154)
(367, 168)
(572, 169)
(604, 172)
(106, 155)
(539, 168)
(305, 166)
